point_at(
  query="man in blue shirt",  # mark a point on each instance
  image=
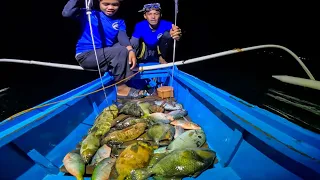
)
(113, 48)
(153, 36)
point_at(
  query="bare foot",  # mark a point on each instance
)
(123, 90)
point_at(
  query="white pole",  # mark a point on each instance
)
(56, 65)
(175, 41)
(299, 81)
(193, 60)
(224, 53)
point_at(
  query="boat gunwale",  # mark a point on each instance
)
(282, 142)
(35, 120)
(263, 112)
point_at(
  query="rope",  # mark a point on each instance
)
(94, 47)
(174, 42)
(74, 97)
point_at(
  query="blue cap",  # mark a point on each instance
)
(152, 6)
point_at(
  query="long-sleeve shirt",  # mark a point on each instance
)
(106, 30)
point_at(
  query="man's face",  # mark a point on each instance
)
(109, 7)
(153, 17)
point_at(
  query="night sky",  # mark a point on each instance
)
(36, 30)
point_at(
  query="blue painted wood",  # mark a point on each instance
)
(272, 142)
(44, 137)
(9, 123)
(306, 153)
(13, 162)
(234, 144)
(68, 144)
(215, 173)
(56, 177)
(15, 131)
(40, 160)
(35, 172)
(274, 120)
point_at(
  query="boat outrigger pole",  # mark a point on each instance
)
(312, 83)
(48, 64)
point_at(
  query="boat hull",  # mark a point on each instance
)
(251, 143)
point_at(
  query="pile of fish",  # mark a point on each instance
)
(139, 139)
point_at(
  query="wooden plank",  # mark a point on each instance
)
(42, 161)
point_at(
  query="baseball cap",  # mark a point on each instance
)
(148, 7)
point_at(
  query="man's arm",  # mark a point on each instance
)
(72, 9)
(123, 37)
(135, 38)
(124, 41)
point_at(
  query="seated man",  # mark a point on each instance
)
(152, 37)
(114, 52)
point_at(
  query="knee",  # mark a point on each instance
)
(123, 51)
(122, 56)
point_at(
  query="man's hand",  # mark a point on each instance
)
(132, 59)
(175, 32)
(162, 61)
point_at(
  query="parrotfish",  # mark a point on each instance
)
(132, 108)
(103, 169)
(169, 106)
(104, 121)
(160, 118)
(177, 114)
(185, 124)
(178, 131)
(89, 147)
(189, 139)
(160, 132)
(133, 157)
(127, 134)
(74, 165)
(129, 122)
(103, 152)
(179, 163)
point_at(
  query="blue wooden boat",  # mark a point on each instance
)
(251, 143)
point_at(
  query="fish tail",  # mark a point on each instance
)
(140, 174)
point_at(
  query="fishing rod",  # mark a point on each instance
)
(175, 41)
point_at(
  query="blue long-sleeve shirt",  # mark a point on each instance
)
(106, 30)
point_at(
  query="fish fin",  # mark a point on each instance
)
(186, 119)
(196, 174)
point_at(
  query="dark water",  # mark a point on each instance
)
(37, 31)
